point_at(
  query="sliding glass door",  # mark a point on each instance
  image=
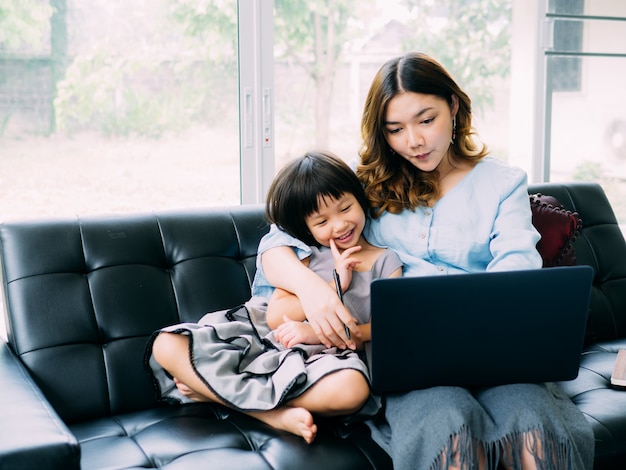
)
(585, 103)
(118, 106)
(327, 52)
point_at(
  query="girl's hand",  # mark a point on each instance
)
(290, 333)
(344, 263)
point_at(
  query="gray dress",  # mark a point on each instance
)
(236, 355)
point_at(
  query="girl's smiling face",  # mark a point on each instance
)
(418, 127)
(341, 220)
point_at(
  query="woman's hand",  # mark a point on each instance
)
(322, 307)
(289, 333)
(327, 315)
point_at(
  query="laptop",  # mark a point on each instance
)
(478, 330)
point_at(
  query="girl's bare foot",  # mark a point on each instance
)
(298, 421)
(188, 392)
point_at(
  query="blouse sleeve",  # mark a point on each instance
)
(514, 238)
(386, 264)
(276, 237)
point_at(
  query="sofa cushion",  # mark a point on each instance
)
(558, 228)
(204, 435)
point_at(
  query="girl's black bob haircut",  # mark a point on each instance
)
(299, 186)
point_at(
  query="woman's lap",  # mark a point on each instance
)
(419, 425)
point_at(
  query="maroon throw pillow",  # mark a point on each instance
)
(558, 228)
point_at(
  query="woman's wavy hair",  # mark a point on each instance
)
(301, 184)
(392, 183)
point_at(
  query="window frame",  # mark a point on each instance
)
(544, 81)
(256, 98)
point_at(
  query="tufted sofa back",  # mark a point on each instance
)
(600, 244)
(80, 311)
(83, 295)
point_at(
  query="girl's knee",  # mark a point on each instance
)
(167, 346)
(351, 390)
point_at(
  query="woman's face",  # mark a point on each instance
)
(418, 127)
(342, 220)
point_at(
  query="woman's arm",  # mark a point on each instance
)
(283, 304)
(324, 311)
(514, 245)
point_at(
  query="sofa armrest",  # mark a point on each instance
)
(33, 435)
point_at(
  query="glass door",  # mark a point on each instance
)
(118, 106)
(585, 72)
(326, 53)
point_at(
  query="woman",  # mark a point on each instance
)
(445, 207)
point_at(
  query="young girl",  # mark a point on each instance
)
(286, 376)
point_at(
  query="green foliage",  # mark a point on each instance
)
(90, 96)
(469, 37)
(212, 22)
(117, 95)
(313, 32)
(106, 90)
(23, 23)
(588, 171)
(119, 92)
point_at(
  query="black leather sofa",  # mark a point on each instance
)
(82, 296)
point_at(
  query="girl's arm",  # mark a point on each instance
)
(283, 304)
(319, 301)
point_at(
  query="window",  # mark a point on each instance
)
(584, 133)
(118, 106)
(327, 52)
(568, 37)
(134, 106)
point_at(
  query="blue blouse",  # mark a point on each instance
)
(484, 223)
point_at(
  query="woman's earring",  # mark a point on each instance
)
(453, 130)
